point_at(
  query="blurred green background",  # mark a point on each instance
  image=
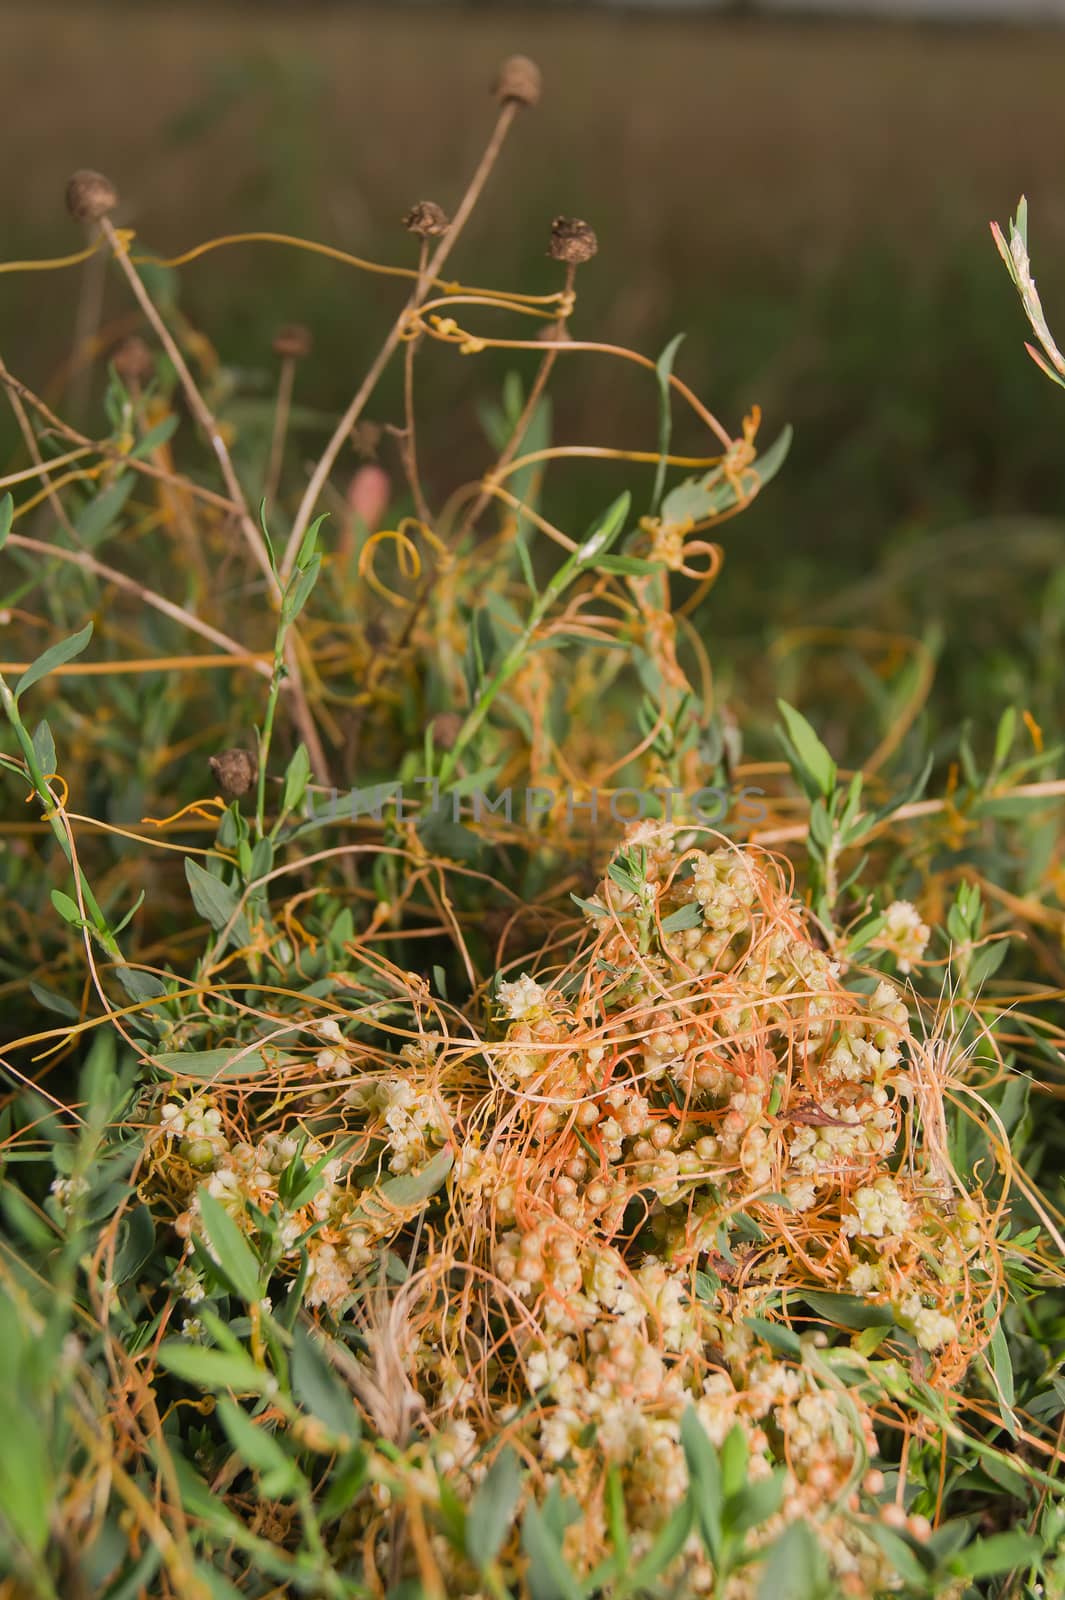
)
(809, 202)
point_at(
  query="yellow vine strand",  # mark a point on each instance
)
(295, 242)
(187, 663)
(50, 264)
(410, 562)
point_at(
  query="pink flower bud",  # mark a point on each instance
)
(368, 495)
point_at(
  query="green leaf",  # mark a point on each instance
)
(734, 1461)
(903, 1555)
(308, 550)
(770, 461)
(865, 931)
(67, 908)
(1002, 1367)
(796, 1568)
(415, 1188)
(814, 760)
(444, 837)
(671, 1539)
(44, 749)
(347, 1480)
(1004, 735)
(137, 1236)
(297, 775)
(689, 916)
(548, 1576)
(27, 1490)
(300, 588)
(236, 1062)
(55, 1002)
(155, 438)
(298, 1184)
(629, 566)
(589, 907)
(215, 901)
(7, 516)
(23, 1219)
(97, 518)
(776, 1336)
(215, 1369)
(318, 1390)
(230, 1249)
(217, 1586)
(848, 1310)
(704, 1472)
(696, 499)
(492, 1509)
(754, 1504)
(130, 914)
(56, 656)
(603, 534)
(258, 1449)
(140, 985)
(270, 556)
(1000, 1552)
(664, 371)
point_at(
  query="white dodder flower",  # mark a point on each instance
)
(904, 934)
(521, 996)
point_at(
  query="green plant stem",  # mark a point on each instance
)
(267, 732)
(384, 355)
(51, 816)
(582, 560)
(202, 413)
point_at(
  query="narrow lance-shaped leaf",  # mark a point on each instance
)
(664, 371)
(99, 516)
(230, 1249)
(56, 656)
(815, 768)
(492, 1509)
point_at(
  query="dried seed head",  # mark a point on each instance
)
(90, 196)
(519, 81)
(133, 360)
(427, 220)
(445, 728)
(293, 340)
(365, 438)
(235, 771)
(572, 241)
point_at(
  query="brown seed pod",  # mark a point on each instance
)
(293, 340)
(519, 81)
(234, 771)
(572, 241)
(445, 728)
(133, 360)
(427, 220)
(90, 196)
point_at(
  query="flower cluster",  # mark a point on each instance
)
(903, 934)
(650, 1158)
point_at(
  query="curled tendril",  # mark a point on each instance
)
(53, 777)
(408, 556)
(208, 810)
(702, 547)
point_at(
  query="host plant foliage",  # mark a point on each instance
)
(411, 1196)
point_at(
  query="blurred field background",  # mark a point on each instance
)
(808, 201)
